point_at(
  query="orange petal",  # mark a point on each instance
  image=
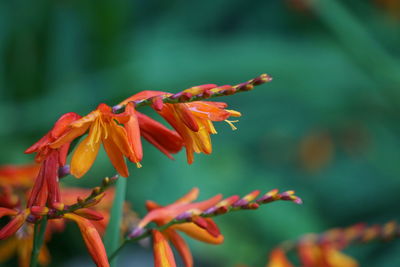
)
(183, 113)
(189, 197)
(133, 133)
(181, 246)
(151, 205)
(163, 256)
(164, 139)
(277, 258)
(208, 111)
(116, 157)
(69, 136)
(92, 240)
(198, 233)
(63, 123)
(83, 157)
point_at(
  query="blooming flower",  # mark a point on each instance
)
(202, 229)
(118, 141)
(193, 120)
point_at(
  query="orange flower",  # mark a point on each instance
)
(202, 229)
(104, 128)
(42, 147)
(192, 121)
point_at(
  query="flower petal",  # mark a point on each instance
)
(163, 256)
(133, 133)
(92, 240)
(198, 233)
(181, 246)
(116, 157)
(83, 157)
(166, 140)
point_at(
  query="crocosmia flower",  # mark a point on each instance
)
(104, 128)
(202, 229)
(192, 121)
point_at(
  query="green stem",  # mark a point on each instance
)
(38, 237)
(113, 234)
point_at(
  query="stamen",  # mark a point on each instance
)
(231, 124)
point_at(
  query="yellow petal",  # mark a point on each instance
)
(116, 157)
(83, 157)
(198, 233)
(163, 256)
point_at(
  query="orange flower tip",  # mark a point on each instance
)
(64, 171)
(138, 165)
(39, 210)
(136, 232)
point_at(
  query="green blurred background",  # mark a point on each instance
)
(327, 126)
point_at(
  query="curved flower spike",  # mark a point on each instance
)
(202, 229)
(103, 128)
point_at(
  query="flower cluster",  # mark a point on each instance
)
(120, 129)
(89, 213)
(316, 250)
(194, 219)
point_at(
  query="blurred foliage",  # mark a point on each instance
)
(327, 126)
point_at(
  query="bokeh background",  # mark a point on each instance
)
(327, 126)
